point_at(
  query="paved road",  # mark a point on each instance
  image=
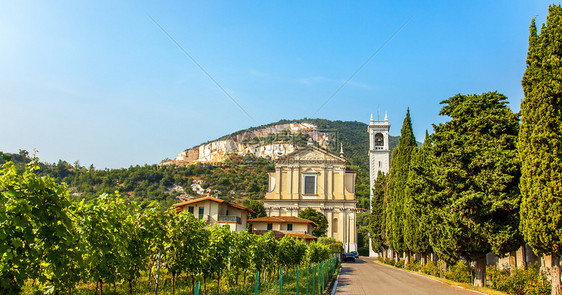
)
(367, 277)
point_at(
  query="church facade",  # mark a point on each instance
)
(311, 177)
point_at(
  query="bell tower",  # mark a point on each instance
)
(379, 155)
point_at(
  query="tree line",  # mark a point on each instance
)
(50, 243)
(484, 181)
(239, 178)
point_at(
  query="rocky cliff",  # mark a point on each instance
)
(271, 141)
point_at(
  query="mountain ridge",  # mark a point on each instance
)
(238, 179)
(282, 137)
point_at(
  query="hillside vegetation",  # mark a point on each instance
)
(236, 179)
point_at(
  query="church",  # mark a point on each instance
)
(311, 177)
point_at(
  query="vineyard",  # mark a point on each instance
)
(51, 244)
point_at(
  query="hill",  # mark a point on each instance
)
(237, 177)
(279, 138)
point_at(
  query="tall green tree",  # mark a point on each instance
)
(416, 229)
(398, 177)
(377, 217)
(476, 205)
(540, 142)
(318, 218)
(257, 207)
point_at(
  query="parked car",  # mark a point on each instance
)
(355, 253)
(348, 257)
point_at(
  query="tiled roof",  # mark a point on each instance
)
(281, 219)
(213, 199)
(301, 236)
(279, 235)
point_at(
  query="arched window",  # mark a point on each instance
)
(335, 225)
(379, 139)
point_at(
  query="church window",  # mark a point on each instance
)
(309, 185)
(380, 164)
(335, 225)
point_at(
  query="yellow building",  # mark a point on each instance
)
(217, 211)
(314, 178)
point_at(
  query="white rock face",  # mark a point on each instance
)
(252, 143)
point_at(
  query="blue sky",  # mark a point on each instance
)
(99, 82)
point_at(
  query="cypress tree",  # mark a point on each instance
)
(540, 142)
(415, 228)
(476, 204)
(377, 217)
(398, 177)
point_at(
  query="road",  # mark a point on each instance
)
(367, 277)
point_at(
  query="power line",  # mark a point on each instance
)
(201, 68)
(363, 65)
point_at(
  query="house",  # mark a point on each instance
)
(281, 226)
(311, 177)
(216, 211)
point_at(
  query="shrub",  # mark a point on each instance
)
(430, 268)
(388, 261)
(399, 264)
(499, 278)
(326, 240)
(413, 265)
(518, 281)
(538, 288)
(336, 247)
(459, 272)
(363, 251)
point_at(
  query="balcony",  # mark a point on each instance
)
(230, 218)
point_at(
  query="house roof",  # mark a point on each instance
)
(213, 199)
(281, 219)
(279, 235)
(301, 236)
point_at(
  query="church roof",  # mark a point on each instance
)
(311, 152)
(281, 219)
